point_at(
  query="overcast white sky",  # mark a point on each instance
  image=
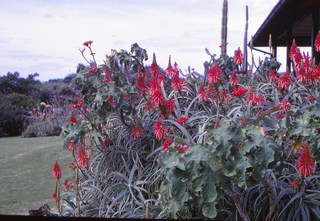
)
(45, 36)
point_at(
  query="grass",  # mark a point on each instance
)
(25, 172)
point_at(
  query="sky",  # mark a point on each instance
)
(42, 36)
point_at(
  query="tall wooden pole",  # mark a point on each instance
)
(224, 28)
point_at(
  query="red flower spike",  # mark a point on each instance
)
(317, 42)
(182, 148)
(305, 164)
(170, 105)
(177, 83)
(182, 120)
(167, 143)
(234, 79)
(154, 68)
(73, 119)
(280, 116)
(159, 130)
(250, 98)
(71, 145)
(73, 165)
(215, 74)
(157, 96)
(239, 92)
(238, 57)
(66, 184)
(83, 158)
(284, 105)
(111, 102)
(295, 183)
(293, 50)
(259, 99)
(273, 76)
(87, 43)
(224, 95)
(298, 58)
(56, 171)
(107, 76)
(137, 132)
(202, 94)
(285, 80)
(169, 70)
(54, 194)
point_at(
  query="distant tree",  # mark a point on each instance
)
(14, 112)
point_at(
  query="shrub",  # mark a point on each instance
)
(228, 145)
(13, 113)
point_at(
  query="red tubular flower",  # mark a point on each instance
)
(182, 120)
(177, 83)
(250, 98)
(293, 50)
(170, 105)
(182, 148)
(66, 184)
(154, 68)
(224, 95)
(87, 43)
(137, 132)
(284, 105)
(167, 143)
(239, 92)
(305, 164)
(107, 76)
(157, 96)
(317, 42)
(77, 105)
(83, 158)
(54, 194)
(94, 70)
(215, 74)
(56, 171)
(273, 76)
(73, 165)
(202, 94)
(297, 59)
(295, 183)
(111, 101)
(259, 99)
(234, 79)
(71, 145)
(169, 70)
(73, 119)
(280, 116)
(159, 130)
(238, 57)
(285, 80)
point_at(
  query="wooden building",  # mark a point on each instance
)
(288, 20)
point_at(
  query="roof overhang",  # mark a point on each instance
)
(288, 17)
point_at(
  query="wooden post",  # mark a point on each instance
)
(224, 28)
(289, 43)
(245, 43)
(314, 32)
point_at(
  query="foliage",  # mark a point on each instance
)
(228, 144)
(13, 111)
(33, 108)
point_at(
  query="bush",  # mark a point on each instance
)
(229, 145)
(14, 112)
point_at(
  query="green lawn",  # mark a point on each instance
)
(25, 172)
